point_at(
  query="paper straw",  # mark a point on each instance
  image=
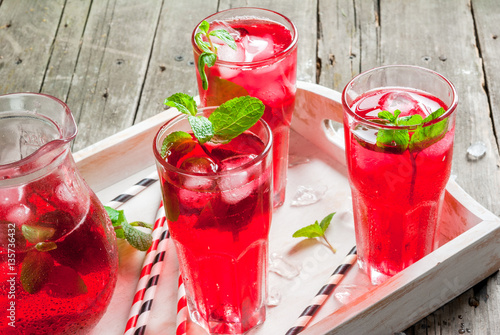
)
(149, 277)
(323, 293)
(182, 310)
(133, 190)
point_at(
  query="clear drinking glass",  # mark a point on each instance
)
(397, 173)
(264, 66)
(218, 207)
(58, 256)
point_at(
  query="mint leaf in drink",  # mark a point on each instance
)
(137, 238)
(425, 136)
(234, 117)
(317, 230)
(176, 137)
(225, 123)
(36, 234)
(209, 51)
(398, 140)
(35, 270)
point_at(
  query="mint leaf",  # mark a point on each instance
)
(204, 26)
(207, 59)
(183, 102)
(311, 231)
(202, 128)
(234, 117)
(35, 234)
(35, 271)
(395, 139)
(209, 51)
(224, 36)
(317, 230)
(173, 138)
(137, 238)
(411, 120)
(124, 230)
(425, 136)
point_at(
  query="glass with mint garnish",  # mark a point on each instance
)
(215, 168)
(251, 51)
(399, 124)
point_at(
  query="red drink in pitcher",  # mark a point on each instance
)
(218, 204)
(399, 145)
(264, 66)
(65, 290)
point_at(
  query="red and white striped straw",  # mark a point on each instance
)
(182, 310)
(323, 293)
(148, 279)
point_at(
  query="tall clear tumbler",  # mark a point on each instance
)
(399, 124)
(219, 208)
(263, 66)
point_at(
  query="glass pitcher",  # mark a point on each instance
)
(58, 254)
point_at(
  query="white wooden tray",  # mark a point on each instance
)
(469, 251)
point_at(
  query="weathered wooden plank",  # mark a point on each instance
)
(66, 49)
(303, 14)
(341, 50)
(172, 67)
(109, 75)
(487, 18)
(27, 31)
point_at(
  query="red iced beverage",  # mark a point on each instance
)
(58, 256)
(264, 66)
(218, 202)
(397, 185)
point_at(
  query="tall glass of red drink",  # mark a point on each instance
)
(397, 171)
(218, 203)
(264, 66)
(58, 256)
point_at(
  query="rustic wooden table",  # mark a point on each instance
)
(114, 61)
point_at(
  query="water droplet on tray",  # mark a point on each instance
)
(476, 151)
(307, 196)
(282, 267)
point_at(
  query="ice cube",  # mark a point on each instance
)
(199, 166)
(236, 186)
(258, 48)
(226, 53)
(402, 101)
(19, 213)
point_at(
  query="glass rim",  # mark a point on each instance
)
(289, 49)
(259, 158)
(64, 137)
(449, 111)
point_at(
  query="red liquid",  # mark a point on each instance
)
(272, 81)
(396, 196)
(220, 226)
(81, 270)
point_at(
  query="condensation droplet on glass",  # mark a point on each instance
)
(297, 160)
(307, 196)
(476, 151)
(461, 331)
(282, 267)
(273, 297)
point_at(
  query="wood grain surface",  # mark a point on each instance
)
(114, 61)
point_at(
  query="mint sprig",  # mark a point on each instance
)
(399, 139)
(124, 230)
(209, 50)
(225, 123)
(317, 230)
